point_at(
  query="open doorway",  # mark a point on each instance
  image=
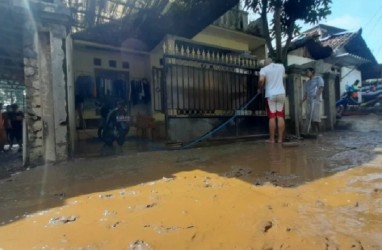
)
(95, 98)
(12, 127)
(107, 87)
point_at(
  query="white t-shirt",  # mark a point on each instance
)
(274, 76)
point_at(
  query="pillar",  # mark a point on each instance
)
(45, 31)
(294, 91)
(329, 96)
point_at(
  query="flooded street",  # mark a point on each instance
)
(324, 194)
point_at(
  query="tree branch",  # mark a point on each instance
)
(289, 34)
(264, 19)
(277, 21)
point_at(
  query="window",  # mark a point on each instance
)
(125, 65)
(112, 63)
(97, 62)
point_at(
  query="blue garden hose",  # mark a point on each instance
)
(216, 129)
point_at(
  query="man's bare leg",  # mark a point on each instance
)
(281, 128)
(272, 128)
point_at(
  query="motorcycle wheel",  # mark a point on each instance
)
(99, 132)
(122, 137)
(339, 111)
(107, 136)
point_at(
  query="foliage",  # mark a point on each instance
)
(285, 15)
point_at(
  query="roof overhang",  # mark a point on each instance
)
(253, 42)
(347, 59)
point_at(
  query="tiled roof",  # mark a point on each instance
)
(337, 41)
(322, 38)
(324, 30)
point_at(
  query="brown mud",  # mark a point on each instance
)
(324, 194)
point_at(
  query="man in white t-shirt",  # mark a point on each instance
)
(272, 75)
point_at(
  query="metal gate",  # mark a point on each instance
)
(198, 82)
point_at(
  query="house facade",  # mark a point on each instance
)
(340, 56)
(189, 74)
(339, 49)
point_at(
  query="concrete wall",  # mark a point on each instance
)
(83, 61)
(185, 130)
(46, 114)
(298, 60)
(219, 37)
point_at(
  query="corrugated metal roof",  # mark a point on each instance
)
(115, 21)
(89, 13)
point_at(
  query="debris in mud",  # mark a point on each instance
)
(168, 179)
(151, 205)
(320, 203)
(238, 172)
(63, 220)
(267, 225)
(271, 178)
(60, 195)
(267, 247)
(108, 213)
(105, 196)
(206, 182)
(193, 236)
(115, 224)
(140, 245)
(162, 229)
(267, 183)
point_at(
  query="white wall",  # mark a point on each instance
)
(348, 77)
(83, 62)
(298, 60)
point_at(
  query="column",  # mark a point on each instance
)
(33, 116)
(294, 92)
(329, 96)
(46, 82)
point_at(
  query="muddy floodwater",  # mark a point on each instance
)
(324, 194)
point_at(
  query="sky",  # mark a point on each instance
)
(355, 14)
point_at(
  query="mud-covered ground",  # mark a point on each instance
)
(10, 162)
(324, 194)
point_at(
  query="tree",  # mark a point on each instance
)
(285, 15)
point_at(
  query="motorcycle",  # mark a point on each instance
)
(115, 127)
(104, 109)
(342, 105)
